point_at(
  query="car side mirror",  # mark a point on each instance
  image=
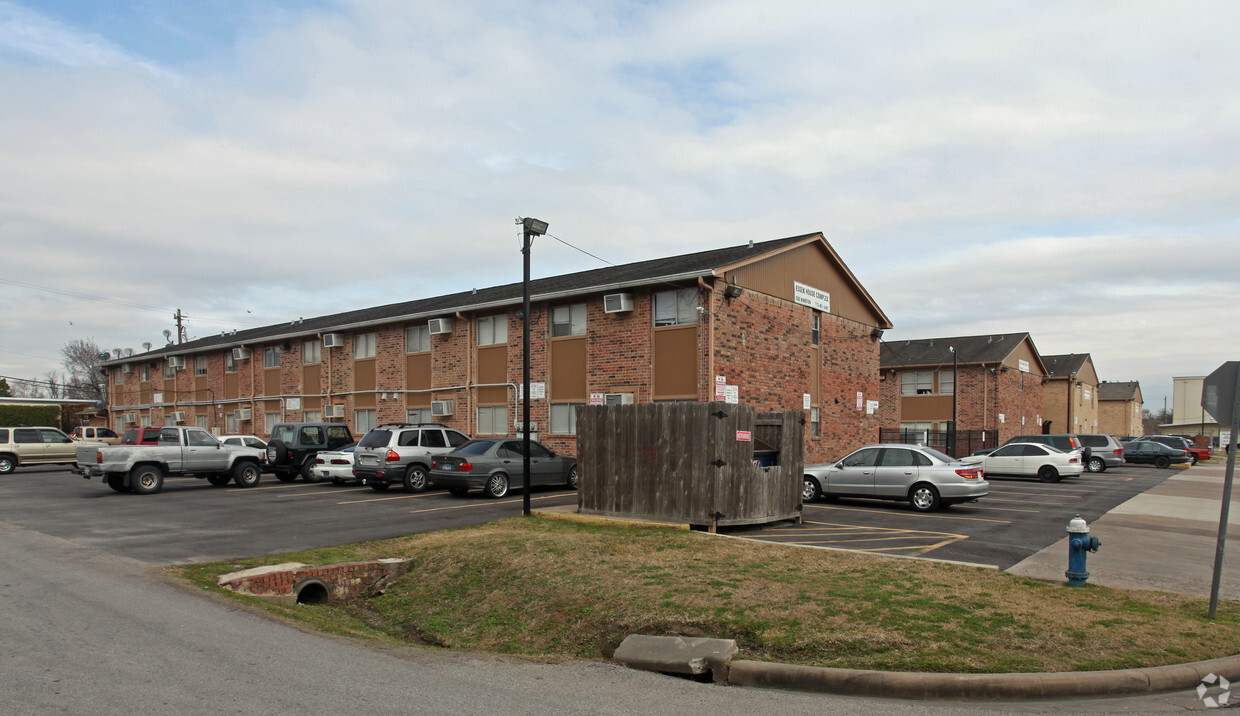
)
(839, 465)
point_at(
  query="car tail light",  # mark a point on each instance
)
(392, 456)
(465, 467)
(1073, 458)
(98, 457)
(1118, 451)
(970, 473)
(339, 461)
(318, 461)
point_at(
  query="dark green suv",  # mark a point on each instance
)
(293, 447)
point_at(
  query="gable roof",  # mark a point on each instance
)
(993, 348)
(1118, 390)
(684, 267)
(1064, 366)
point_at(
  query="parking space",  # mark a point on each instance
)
(191, 521)
(1017, 519)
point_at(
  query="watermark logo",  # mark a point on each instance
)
(1221, 691)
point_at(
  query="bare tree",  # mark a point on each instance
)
(82, 379)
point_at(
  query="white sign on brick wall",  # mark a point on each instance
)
(816, 299)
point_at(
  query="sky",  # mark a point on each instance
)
(1063, 168)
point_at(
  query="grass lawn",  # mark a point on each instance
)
(549, 589)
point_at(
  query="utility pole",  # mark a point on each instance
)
(180, 326)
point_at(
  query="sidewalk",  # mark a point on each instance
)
(1163, 539)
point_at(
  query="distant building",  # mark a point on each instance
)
(1187, 415)
(1070, 397)
(1120, 408)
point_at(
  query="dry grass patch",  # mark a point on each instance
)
(555, 589)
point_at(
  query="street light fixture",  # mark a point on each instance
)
(529, 229)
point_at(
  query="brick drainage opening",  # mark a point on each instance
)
(299, 583)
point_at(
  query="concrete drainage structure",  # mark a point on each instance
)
(299, 583)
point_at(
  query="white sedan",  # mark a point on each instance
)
(1045, 462)
(335, 465)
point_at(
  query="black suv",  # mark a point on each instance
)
(400, 454)
(293, 447)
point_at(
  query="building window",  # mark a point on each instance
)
(915, 432)
(312, 416)
(493, 420)
(419, 415)
(169, 371)
(493, 330)
(144, 420)
(312, 352)
(201, 421)
(200, 365)
(270, 421)
(947, 382)
(363, 420)
(564, 418)
(568, 320)
(231, 424)
(417, 339)
(675, 308)
(230, 363)
(271, 357)
(917, 382)
(363, 346)
(144, 372)
(815, 331)
(815, 423)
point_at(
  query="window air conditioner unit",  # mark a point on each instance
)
(177, 362)
(129, 417)
(240, 354)
(242, 413)
(178, 416)
(333, 340)
(127, 368)
(334, 411)
(618, 399)
(439, 326)
(617, 303)
(440, 408)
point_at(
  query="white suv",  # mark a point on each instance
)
(400, 453)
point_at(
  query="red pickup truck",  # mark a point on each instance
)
(1179, 443)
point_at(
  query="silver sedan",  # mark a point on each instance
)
(924, 477)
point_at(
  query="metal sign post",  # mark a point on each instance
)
(1224, 382)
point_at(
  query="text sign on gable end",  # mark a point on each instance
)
(810, 296)
(1218, 392)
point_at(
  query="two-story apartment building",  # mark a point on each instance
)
(1070, 399)
(1120, 407)
(778, 324)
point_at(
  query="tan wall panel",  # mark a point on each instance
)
(493, 364)
(418, 372)
(312, 378)
(364, 400)
(921, 408)
(568, 369)
(1024, 352)
(675, 363)
(493, 396)
(200, 388)
(364, 374)
(419, 400)
(271, 381)
(311, 403)
(232, 382)
(810, 265)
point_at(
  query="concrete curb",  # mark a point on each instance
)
(995, 687)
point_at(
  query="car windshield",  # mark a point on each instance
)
(475, 447)
(938, 455)
(376, 438)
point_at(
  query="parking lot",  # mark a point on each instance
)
(192, 521)
(1018, 518)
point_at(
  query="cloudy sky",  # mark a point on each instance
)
(1068, 169)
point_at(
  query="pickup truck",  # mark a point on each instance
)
(180, 451)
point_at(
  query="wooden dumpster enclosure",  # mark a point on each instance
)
(690, 462)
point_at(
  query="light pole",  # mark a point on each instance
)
(955, 431)
(529, 229)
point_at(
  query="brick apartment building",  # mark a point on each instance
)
(1120, 407)
(779, 324)
(994, 386)
(1070, 398)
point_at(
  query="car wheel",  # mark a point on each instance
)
(924, 497)
(307, 471)
(286, 476)
(1192, 460)
(218, 480)
(7, 464)
(1048, 473)
(458, 491)
(810, 490)
(415, 479)
(246, 474)
(1162, 461)
(337, 481)
(497, 485)
(573, 479)
(116, 481)
(378, 487)
(1096, 464)
(146, 479)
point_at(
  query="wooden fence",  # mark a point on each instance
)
(690, 462)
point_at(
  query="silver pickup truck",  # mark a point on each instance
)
(181, 451)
